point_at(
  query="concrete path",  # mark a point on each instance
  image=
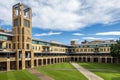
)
(85, 72)
(35, 72)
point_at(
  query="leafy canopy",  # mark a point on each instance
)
(115, 49)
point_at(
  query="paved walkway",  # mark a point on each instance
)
(85, 72)
(35, 72)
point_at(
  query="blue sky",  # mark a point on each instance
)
(66, 20)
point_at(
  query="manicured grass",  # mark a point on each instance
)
(17, 75)
(62, 71)
(106, 71)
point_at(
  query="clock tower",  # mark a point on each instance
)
(22, 39)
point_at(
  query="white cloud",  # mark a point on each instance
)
(66, 15)
(48, 34)
(109, 33)
(91, 38)
(77, 34)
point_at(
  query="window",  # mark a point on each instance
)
(23, 31)
(9, 45)
(27, 46)
(101, 49)
(18, 39)
(91, 50)
(16, 22)
(81, 50)
(5, 38)
(23, 46)
(23, 38)
(18, 30)
(104, 49)
(14, 46)
(26, 23)
(85, 50)
(77, 50)
(0, 45)
(9, 38)
(36, 47)
(0, 36)
(33, 47)
(108, 49)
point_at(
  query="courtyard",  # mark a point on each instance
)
(66, 71)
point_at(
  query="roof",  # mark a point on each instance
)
(87, 44)
(7, 34)
(49, 42)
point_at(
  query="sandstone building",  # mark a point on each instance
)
(18, 50)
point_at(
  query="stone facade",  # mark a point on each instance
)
(19, 51)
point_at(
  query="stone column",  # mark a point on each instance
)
(77, 59)
(32, 59)
(86, 59)
(105, 59)
(81, 58)
(91, 59)
(60, 60)
(56, 60)
(49, 60)
(99, 59)
(23, 59)
(8, 64)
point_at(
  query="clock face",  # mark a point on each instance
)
(27, 32)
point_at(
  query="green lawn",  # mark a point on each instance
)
(106, 71)
(62, 71)
(17, 75)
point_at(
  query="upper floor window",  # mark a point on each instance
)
(27, 46)
(7, 46)
(2, 37)
(16, 22)
(14, 46)
(26, 23)
(85, 50)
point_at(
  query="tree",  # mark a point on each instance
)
(115, 50)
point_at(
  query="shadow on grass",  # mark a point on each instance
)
(116, 78)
